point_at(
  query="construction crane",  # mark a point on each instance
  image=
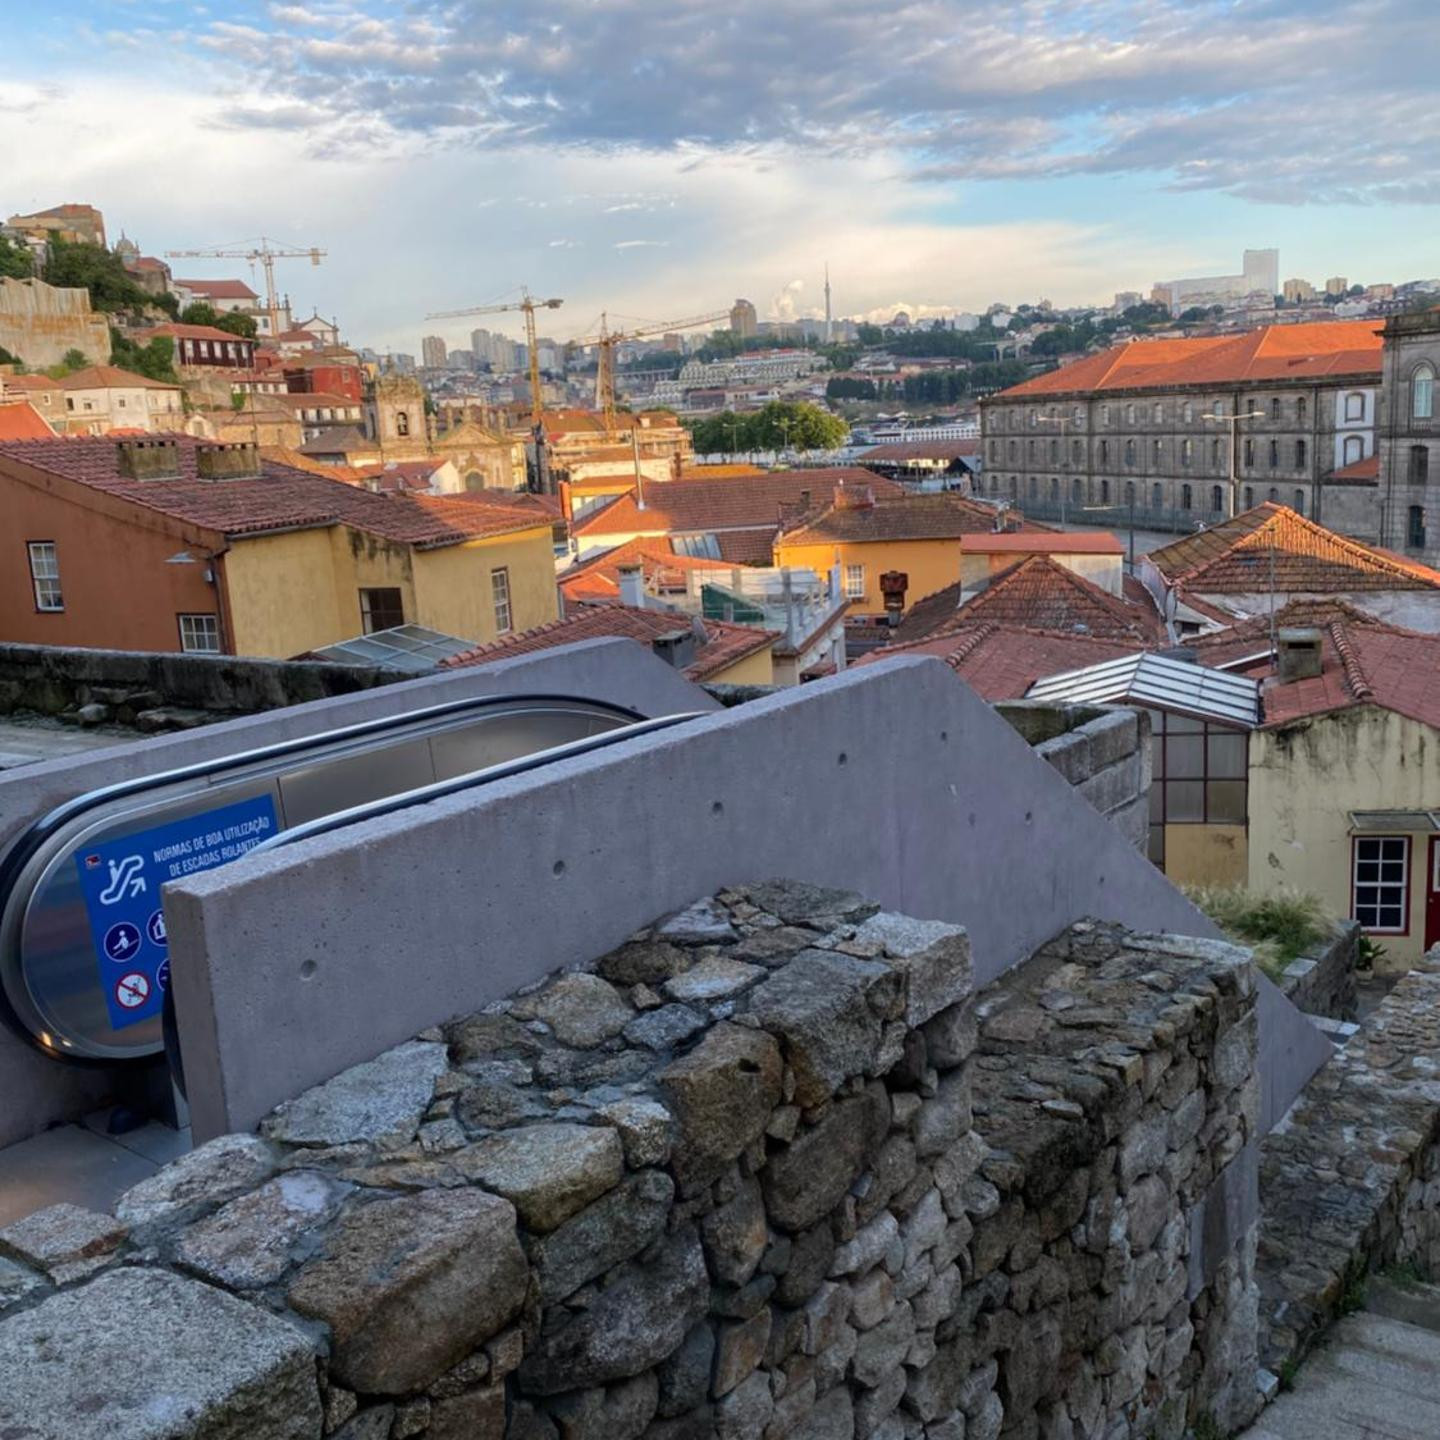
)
(267, 255)
(608, 339)
(529, 305)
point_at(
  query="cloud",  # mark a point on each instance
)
(642, 244)
(1279, 100)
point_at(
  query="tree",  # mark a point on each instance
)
(845, 387)
(15, 260)
(6, 358)
(870, 335)
(156, 360)
(233, 323)
(94, 268)
(200, 312)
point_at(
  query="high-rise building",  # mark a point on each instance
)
(1336, 285)
(1296, 291)
(1259, 274)
(433, 352)
(828, 323)
(743, 319)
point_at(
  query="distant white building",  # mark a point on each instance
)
(1260, 274)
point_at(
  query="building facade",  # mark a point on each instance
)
(743, 319)
(434, 353)
(1410, 435)
(1184, 429)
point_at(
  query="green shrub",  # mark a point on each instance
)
(1278, 927)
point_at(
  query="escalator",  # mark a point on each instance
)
(84, 954)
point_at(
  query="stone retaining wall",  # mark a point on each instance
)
(1323, 982)
(752, 1176)
(157, 691)
(1350, 1181)
(1103, 751)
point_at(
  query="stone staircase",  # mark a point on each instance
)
(1375, 1377)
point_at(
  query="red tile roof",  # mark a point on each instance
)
(1043, 542)
(946, 516)
(28, 382)
(1273, 352)
(1362, 472)
(1234, 557)
(176, 331)
(111, 377)
(279, 498)
(21, 421)
(1364, 661)
(220, 289)
(1001, 662)
(739, 502)
(724, 645)
(902, 450)
(597, 576)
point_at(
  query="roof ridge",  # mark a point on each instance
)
(1355, 678)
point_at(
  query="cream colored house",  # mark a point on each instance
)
(101, 398)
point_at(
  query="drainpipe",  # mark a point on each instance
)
(216, 561)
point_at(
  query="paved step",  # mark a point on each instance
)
(1375, 1378)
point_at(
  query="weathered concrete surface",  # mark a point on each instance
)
(895, 779)
(145, 1355)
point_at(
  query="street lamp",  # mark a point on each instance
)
(1063, 421)
(1232, 421)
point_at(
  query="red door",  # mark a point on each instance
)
(1432, 895)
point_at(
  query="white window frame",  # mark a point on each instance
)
(854, 582)
(1403, 884)
(1356, 443)
(1354, 406)
(197, 631)
(1422, 382)
(45, 576)
(500, 599)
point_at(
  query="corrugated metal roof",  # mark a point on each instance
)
(1157, 680)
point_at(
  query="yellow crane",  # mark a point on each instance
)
(529, 305)
(608, 339)
(267, 255)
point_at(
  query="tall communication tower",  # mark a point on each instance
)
(828, 335)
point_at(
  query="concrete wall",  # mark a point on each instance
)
(38, 1091)
(896, 780)
(1304, 781)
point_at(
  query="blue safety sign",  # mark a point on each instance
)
(121, 882)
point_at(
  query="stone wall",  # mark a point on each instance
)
(1322, 982)
(1103, 751)
(752, 1176)
(1350, 1182)
(165, 691)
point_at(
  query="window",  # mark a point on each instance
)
(1076, 491)
(1157, 412)
(1014, 450)
(1130, 492)
(1129, 414)
(500, 598)
(855, 580)
(1299, 502)
(1054, 492)
(1079, 415)
(1054, 451)
(1274, 454)
(1300, 408)
(1104, 492)
(1130, 454)
(381, 609)
(1249, 453)
(1199, 775)
(1104, 414)
(1381, 882)
(1275, 408)
(1419, 469)
(1014, 487)
(1299, 454)
(1187, 412)
(1249, 497)
(1415, 529)
(1187, 449)
(1215, 453)
(1354, 449)
(1422, 394)
(1217, 498)
(1185, 497)
(1354, 407)
(45, 575)
(1218, 409)
(699, 546)
(1034, 418)
(1030, 450)
(1274, 496)
(1104, 452)
(402, 423)
(119, 402)
(1158, 451)
(994, 451)
(1157, 496)
(1034, 488)
(1076, 450)
(199, 634)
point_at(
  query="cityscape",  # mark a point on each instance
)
(730, 740)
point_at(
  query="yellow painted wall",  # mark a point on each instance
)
(756, 669)
(452, 585)
(1304, 781)
(1206, 854)
(281, 595)
(930, 564)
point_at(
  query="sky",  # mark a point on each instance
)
(654, 159)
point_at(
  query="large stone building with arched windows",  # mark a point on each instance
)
(397, 423)
(1189, 431)
(1410, 434)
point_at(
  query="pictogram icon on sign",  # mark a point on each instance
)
(122, 942)
(155, 928)
(132, 990)
(162, 975)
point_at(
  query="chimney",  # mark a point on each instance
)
(632, 586)
(238, 460)
(148, 458)
(676, 648)
(893, 585)
(1297, 655)
(806, 501)
(854, 497)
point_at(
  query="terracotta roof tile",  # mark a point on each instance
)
(178, 331)
(597, 576)
(1001, 662)
(219, 289)
(278, 498)
(944, 516)
(112, 377)
(1362, 472)
(1041, 541)
(1272, 352)
(725, 644)
(902, 450)
(21, 421)
(1234, 557)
